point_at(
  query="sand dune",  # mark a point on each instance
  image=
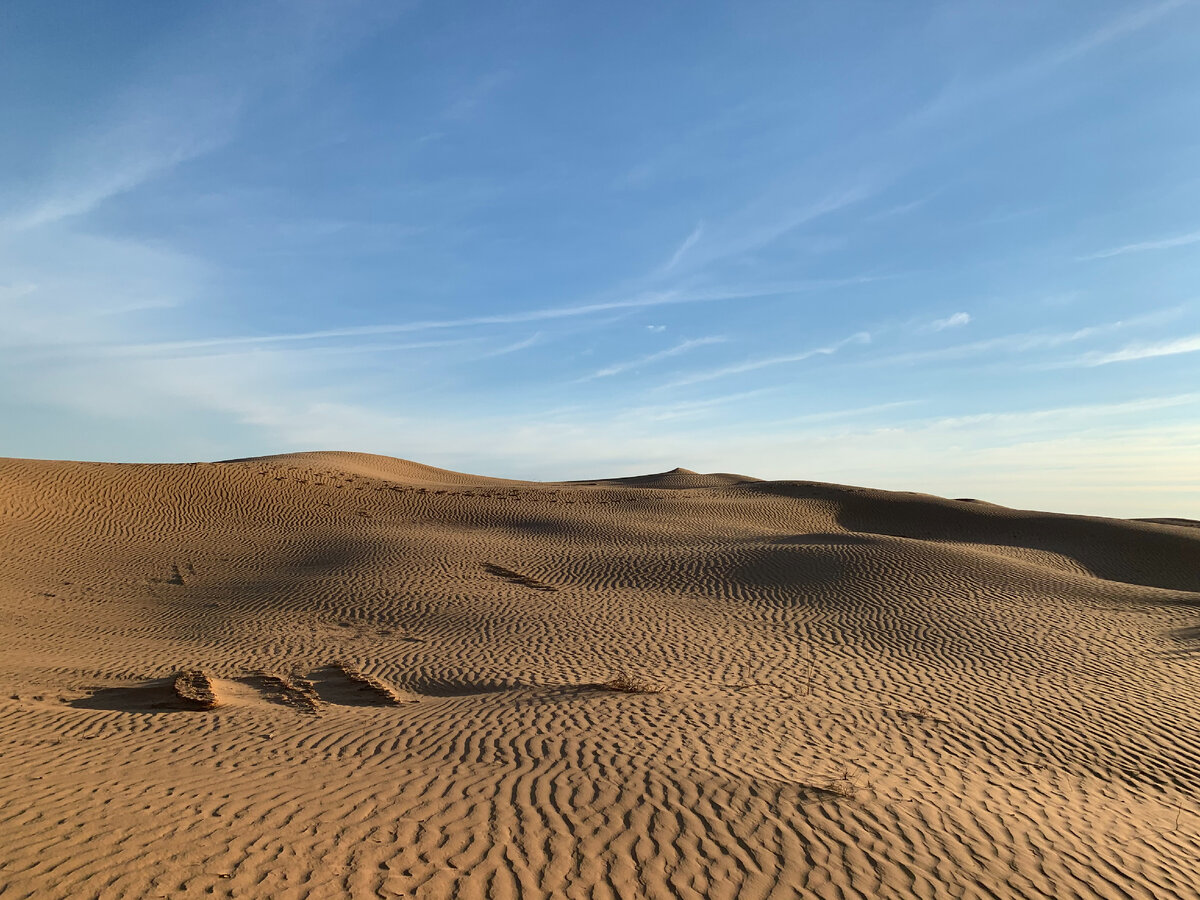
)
(337, 674)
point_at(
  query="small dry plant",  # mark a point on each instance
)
(629, 684)
(195, 689)
(845, 784)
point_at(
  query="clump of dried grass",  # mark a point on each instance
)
(195, 689)
(625, 683)
(846, 784)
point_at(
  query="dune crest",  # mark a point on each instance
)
(340, 675)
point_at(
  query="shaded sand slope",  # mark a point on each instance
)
(825, 691)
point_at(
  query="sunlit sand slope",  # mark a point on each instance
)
(335, 674)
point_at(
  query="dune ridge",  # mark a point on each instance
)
(338, 674)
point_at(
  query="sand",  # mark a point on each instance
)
(342, 675)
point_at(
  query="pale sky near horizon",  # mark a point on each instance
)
(949, 247)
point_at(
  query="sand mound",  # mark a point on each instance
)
(344, 675)
(676, 479)
(367, 465)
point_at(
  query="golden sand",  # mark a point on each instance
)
(341, 675)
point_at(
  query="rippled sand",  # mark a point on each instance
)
(342, 675)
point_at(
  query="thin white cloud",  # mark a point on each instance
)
(768, 228)
(515, 346)
(765, 219)
(127, 156)
(1036, 417)
(752, 365)
(1022, 342)
(1174, 347)
(1113, 30)
(1181, 240)
(663, 412)
(81, 290)
(832, 415)
(192, 95)
(969, 95)
(346, 350)
(957, 320)
(682, 249)
(475, 94)
(642, 301)
(902, 208)
(650, 359)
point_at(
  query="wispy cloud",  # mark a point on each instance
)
(959, 97)
(651, 358)
(688, 409)
(1110, 31)
(1036, 417)
(833, 415)
(514, 347)
(766, 222)
(1181, 240)
(191, 99)
(682, 249)
(901, 209)
(957, 320)
(642, 301)
(475, 95)
(1020, 343)
(80, 289)
(753, 365)
(1173, 347)
(765, 219)
(130, 153)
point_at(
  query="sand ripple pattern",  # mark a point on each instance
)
(834, 692)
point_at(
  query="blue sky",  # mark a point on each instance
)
(941, 246)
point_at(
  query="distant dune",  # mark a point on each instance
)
(1183, 523)
(345, 675)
